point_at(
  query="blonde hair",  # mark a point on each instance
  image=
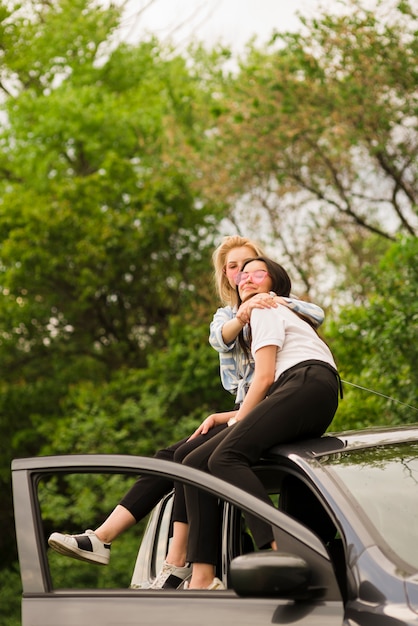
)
(226, 293)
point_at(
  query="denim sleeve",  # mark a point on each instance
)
(307, 309)
(221, 316)
(235, 368)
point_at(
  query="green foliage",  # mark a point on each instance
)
(318, 137)
(11, 593)
(376, 343)
(118, 165)
(140, 410)
(68, 504)
(101, 237)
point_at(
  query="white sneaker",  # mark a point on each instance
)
(84, 547)
(216, 584)
(171, 576)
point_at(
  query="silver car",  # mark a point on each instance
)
(344, 515)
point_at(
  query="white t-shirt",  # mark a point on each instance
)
(295, 339)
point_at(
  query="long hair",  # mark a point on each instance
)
(227, 294)
(281, 285)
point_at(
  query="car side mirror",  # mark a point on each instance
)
(272, 574)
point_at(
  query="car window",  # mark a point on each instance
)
(72, 503)
(154, 545)
(292, 495)
(383, 482)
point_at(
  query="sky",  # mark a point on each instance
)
(232, 22)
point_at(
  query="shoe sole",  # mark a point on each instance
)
(76, 553)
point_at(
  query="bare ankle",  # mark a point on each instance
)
(102, 537)
(178, 561)
(202, 576)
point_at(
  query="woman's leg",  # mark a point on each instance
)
(178, 544)
(118, 521)
(147, 491)
(301, 405)
(176, 568)
(203, 516)
(179, 506)
(94, 547)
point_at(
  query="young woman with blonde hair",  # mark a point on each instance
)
(237, 367)
(293, 395)
(236, 370)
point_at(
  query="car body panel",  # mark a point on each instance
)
(177, 608)
(355, 580)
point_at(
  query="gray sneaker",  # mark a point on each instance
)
(171, 576)
(84, 547)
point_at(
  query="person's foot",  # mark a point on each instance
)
(84, 547)
(171, 576)
(216, 584)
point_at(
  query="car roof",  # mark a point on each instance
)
(346, 441)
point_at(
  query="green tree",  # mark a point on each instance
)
(376, 344)
(102, 235)
(317, 140)
(119, 164)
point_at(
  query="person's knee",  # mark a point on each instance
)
(196, 460)
(216, 464)
(191, 460)
(166, 454)
(180, 454)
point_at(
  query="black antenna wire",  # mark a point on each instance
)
(380, 394)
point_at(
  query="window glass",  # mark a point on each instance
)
(384, 483)
(73, 503)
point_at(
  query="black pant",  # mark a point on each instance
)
(147, 491)
(300, 405)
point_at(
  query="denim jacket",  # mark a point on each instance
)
(237, 369)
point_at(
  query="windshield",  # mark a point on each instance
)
(384, 482)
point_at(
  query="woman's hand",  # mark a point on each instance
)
(212, 420)
(259, 301)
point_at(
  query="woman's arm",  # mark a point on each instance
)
(312, 312)
(228, 323)
(234, 368)
(232, 329)
(211, 421)
(265, 367)
(309, 310)
(216, 339)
